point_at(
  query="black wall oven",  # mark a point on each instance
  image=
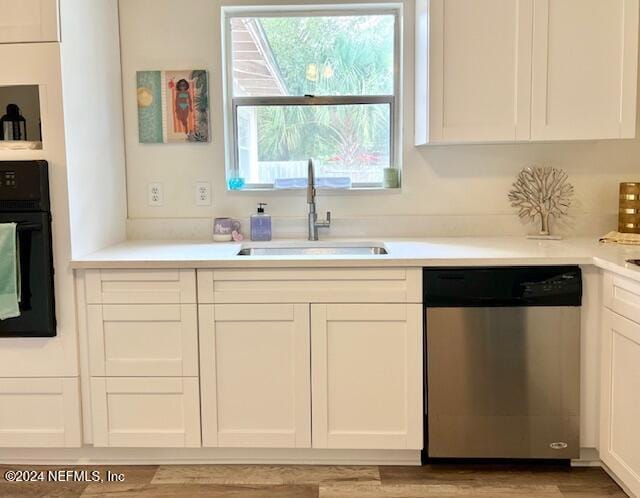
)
(24, 200)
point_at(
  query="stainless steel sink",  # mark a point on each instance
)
(364, 250)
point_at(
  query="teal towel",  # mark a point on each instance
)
(9, 272)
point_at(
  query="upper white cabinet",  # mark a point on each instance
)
(525, 70)
(585, 55)
(479, 70)
(26, 21)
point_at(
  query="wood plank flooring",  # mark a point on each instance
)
(316, 481)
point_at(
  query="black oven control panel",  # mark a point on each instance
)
(8, 180)
(24, 185)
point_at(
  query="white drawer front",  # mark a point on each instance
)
(145, 412)
(622, 295)
(143, 340)
(39, 412)
(318, 285)
(141, 286)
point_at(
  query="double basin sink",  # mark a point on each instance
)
(316, 249)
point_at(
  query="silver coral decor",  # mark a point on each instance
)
(541, 192)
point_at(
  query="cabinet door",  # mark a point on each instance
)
(39, 412)
(585, 57)
(620, 399)
(143, 340)
(28, 21)
(367, 376)
(145, 412)
(255, 375)
(479, 71)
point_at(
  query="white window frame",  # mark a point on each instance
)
(231, 103)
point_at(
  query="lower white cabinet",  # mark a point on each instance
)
(143, 340)
(39, 412)
(263, 366)
(367, 376)
(145, 412)
(236, 371)
(620, 399)
(254, 362)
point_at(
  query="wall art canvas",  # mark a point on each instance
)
(173, 106)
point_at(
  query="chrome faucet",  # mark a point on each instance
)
(313, 222)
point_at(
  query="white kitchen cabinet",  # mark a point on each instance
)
(25, 21)
(525, 70)
(366, 376)
(255, 380)
(474, 77)
(143, 340)
(585, 58)
(310, 285)
(620, 399)
(39, 412)
(622, 295)
(140, 286)
(145, 412)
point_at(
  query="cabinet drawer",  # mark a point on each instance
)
(141, 286)
(145, 412)
(39, 412)
(622, 295)
(318, 285)
(143, 340)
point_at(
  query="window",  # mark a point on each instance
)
(312, 84)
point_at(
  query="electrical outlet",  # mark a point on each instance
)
(155, 194)
(203, 194)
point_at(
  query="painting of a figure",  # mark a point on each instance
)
(183, 114)
(183, 106)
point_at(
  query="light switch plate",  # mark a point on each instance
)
(155, 194)
(203, 194)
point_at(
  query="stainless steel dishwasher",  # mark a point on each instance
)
(502, 362)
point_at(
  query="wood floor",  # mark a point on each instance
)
(287, 481)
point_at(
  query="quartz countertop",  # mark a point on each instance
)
(413, 252)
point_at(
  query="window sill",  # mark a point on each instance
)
(323, 191)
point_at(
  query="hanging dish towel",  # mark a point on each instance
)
(621, 238)
(9, 272)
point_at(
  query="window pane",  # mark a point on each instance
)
(296, 56)
(345, 141)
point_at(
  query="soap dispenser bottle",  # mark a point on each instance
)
(261, 224)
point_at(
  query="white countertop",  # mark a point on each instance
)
(458, 251)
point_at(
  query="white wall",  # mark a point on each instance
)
(92, 94)
(447, 190)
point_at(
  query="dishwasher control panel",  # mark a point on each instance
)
(503, 286)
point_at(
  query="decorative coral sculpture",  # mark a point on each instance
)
(541, 192)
